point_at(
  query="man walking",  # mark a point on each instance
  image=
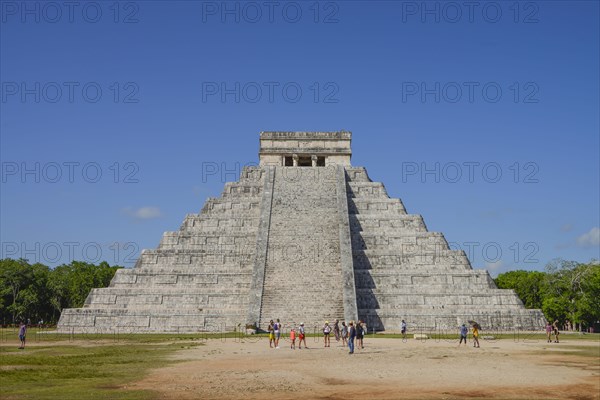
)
(463, 334)
(351, 336)
(403, 329)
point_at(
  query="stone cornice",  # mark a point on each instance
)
(287, 135)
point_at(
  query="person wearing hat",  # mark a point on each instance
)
(351, 336)
(301, 336)
(326, 332)
(463, 334)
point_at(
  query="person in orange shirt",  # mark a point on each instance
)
(293, 339)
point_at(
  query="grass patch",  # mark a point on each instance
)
(92, 371)
(99, 366)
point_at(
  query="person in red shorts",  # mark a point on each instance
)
(301, 336)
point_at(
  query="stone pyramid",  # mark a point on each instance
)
(303, 237)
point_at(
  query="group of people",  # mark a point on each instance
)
(552, 329)
(347, 333)
(464, 331)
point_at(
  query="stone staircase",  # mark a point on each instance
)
(403, 271)
(303, 276)
(197, 279)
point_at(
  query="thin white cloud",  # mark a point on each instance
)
(143, 213)
(493, 266)
(561, 246)
(590, 239)
(566, 227)
(497, 213)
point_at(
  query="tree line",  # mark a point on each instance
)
(36, 292)
(566, 291)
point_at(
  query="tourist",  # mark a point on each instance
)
(293, 339)
(476, 335)
(556, 332)
(549, 331)
(271, 334)
(277, 332)
(351, 336)
(301, 336)
(463, 334)
(360, 333)
(336, 330)
(326, 332)
(344, 334)
(22, 333)
(403, 329)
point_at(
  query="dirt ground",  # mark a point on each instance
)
(384, 369)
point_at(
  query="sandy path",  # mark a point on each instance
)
(385, 369)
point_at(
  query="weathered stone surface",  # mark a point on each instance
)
(303, 244)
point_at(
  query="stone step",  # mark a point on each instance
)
(214, 290)
(146, 320)
(504, 321)
(212, 269)
(397, 254)
(451, 301)
(370, 278)
(357, 174)
(188, 270)
(152, 283)
(366, 189)
(388, 223)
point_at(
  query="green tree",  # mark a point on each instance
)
(530, 286)
(37, 292)
(566, 290)
(15, 277)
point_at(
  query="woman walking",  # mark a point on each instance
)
(271, 334)
(301, 336)
(326, 332)
(344, 334)
(336, 330)
(22, 334)
(360, 334)
(476, 335)
(549, 331)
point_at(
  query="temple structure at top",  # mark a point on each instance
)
(305, 149)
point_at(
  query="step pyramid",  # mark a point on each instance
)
(303, 237)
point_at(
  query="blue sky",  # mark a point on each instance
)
(115, 109)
